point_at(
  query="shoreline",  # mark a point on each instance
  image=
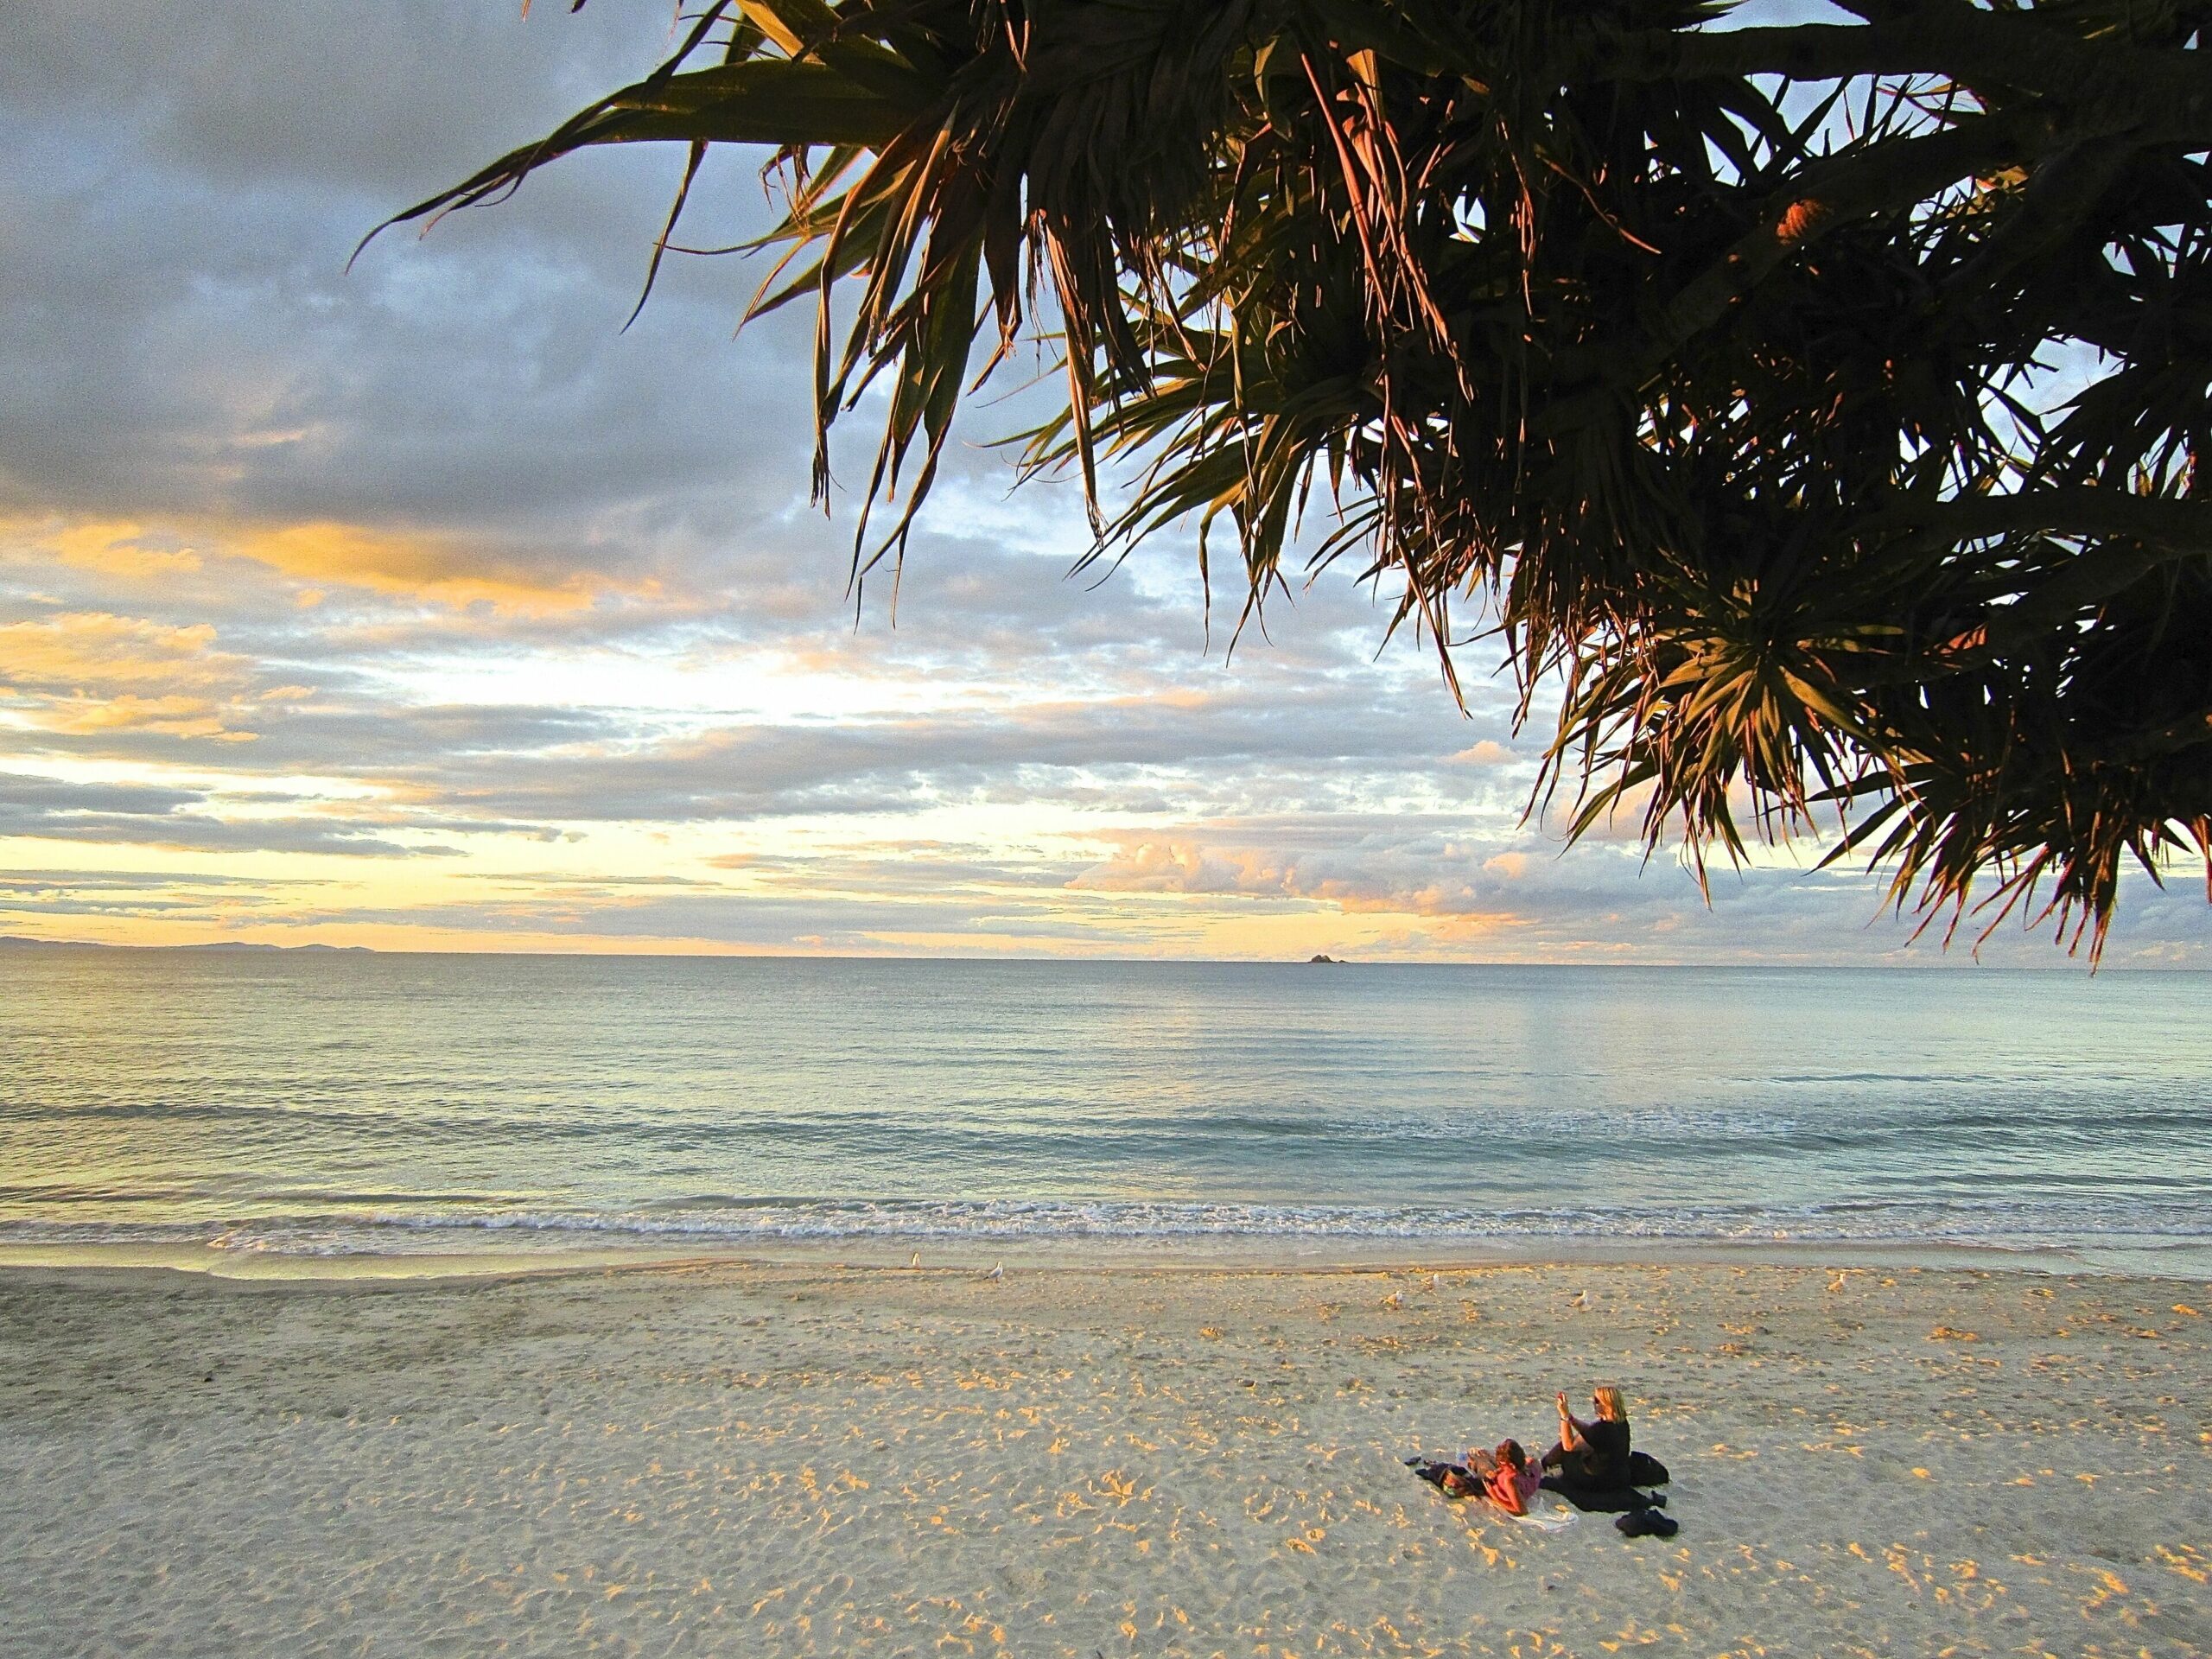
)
(2180, 1262)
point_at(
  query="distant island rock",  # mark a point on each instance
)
(248, 944)
(1333, 961)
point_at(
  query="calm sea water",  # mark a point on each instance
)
(320, 1104)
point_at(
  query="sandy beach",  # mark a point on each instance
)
(807, 1459)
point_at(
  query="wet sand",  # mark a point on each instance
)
(801, 1458)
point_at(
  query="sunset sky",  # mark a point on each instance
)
(420, 607)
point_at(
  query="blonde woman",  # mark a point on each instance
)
(1593, 1456)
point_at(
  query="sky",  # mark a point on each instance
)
(420, 606)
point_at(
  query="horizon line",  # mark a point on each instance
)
(1942, 962)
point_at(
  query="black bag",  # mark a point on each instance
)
(1437, 1474)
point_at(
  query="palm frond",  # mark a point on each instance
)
(1697, 368)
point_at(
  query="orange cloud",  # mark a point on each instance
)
(1471, 928)
(437, 567)
(445, 569)
(1152, 865)
(1149, 866)
(1488, 753)
(119, 549)
(173, 715)
(91, 672)
(89, 649)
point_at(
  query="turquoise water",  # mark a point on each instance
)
(335, 1103)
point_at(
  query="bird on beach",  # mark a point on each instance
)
(1429, 1283)
(998, 1272)
(1396, 1299)
(917, 1261)
(1581, 1299)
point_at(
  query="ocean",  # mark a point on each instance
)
(344, 1104)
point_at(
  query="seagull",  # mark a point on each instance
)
(1396, 1299)
(917, 1261)
(999, 1272)
(1430, 1283)
(1581, 1299)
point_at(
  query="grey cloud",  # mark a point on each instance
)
(727, 918)
(53, 808)
(185, 336)
(256, 90)
(162, 907)
(361, 740)
(19, 793)
(193, 833)
(187, 341)
(911, 867)
(1251, 737)
(867, 765)
(165, 895)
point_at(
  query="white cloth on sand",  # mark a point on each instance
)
(1552, 1517)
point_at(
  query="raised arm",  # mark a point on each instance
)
(1570, 1428)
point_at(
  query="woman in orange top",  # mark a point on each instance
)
(1507, 1477)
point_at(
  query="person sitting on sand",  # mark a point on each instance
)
(1505, 1476)
(1592, 1455)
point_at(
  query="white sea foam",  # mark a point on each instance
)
(1990, 1226)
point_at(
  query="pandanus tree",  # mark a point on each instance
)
(1812, 412)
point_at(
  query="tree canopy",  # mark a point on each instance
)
(1817, 407)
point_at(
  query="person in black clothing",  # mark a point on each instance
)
(1592, 1455)
(1593, 1468)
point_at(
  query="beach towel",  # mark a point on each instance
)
(1552, 1517)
